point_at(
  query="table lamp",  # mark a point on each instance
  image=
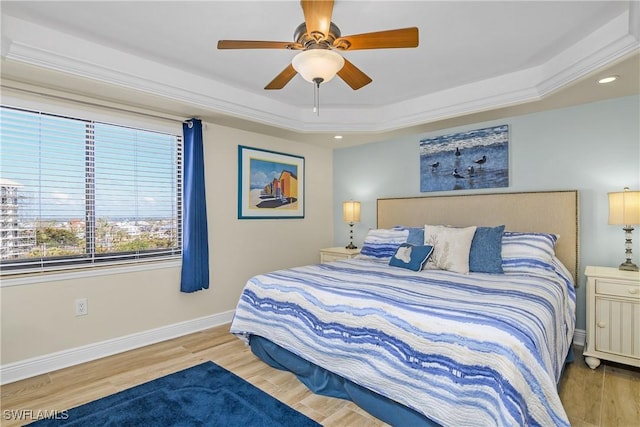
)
(624, 209)
(351, 214)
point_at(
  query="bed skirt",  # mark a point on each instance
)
(321, 381)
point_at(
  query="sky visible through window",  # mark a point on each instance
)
(45, 156)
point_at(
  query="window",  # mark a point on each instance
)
(77, 192)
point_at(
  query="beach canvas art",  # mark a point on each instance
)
(466, 160)
(271, 184)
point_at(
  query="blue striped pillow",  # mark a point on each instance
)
(526, 251)
(382, 243)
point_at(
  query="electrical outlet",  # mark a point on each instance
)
(82, 308)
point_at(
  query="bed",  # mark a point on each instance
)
(433, 344)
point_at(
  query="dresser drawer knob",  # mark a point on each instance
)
(633, 291)
(601, 324)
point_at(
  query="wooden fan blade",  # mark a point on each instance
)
(317, 17)
(404, 37)
(253, 44)
(353, 76)
(282, 79)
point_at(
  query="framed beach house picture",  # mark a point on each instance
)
(466, 160)
(270, 184)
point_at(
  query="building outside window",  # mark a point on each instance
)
(16, 239)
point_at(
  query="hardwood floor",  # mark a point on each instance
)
(608, 396)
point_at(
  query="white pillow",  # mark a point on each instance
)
(451, 247)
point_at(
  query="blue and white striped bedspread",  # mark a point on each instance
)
(477, 349)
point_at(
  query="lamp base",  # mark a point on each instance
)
(628, 266)
(351, 246)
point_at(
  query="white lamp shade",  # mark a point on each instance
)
(317, 63)
(624, 208)
(351, 211)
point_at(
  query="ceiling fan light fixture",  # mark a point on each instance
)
(318, 64)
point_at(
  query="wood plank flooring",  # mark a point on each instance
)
(608, 396)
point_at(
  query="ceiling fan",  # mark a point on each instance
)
(318, 39)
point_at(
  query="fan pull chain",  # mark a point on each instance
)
(316, 95)
(316, 101)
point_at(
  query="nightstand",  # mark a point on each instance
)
(613, 316)
(337, 253)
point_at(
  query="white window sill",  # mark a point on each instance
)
(31, 278)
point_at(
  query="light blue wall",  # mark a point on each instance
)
(594, 148)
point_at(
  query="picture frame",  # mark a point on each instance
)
(471, 160)
(270, 184)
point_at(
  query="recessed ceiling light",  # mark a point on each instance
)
(337, 137)
(608, 79)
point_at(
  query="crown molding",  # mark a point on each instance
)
(32, 44)
(608, 44)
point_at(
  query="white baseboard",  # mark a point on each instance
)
(62, 359)
(579, 337)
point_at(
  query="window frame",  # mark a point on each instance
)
(91, 259)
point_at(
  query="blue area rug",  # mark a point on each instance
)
(204, 395)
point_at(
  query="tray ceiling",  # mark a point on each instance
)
(473, 57)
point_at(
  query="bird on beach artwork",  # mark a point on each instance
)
(466, 160)
(481, 161)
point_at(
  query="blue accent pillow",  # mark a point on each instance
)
(416, 234)
(485, 255)
(411, 257)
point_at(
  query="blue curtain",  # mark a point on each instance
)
(195, 244)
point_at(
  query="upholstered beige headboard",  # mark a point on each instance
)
(541, 211)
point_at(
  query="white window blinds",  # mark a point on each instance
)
(79, 192)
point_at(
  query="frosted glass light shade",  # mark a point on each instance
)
(317, 63)
(351, 211)
(624, 208)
